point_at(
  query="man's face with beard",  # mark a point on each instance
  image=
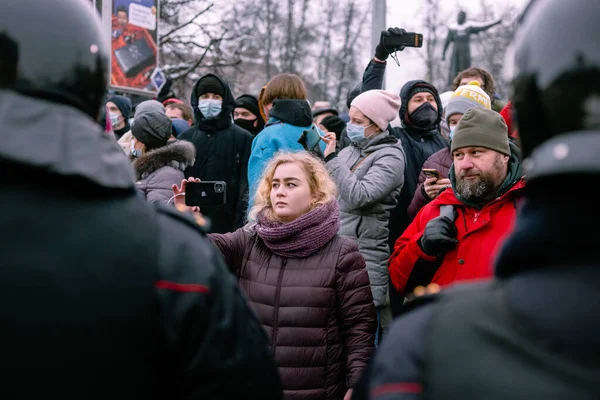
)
(479, 173)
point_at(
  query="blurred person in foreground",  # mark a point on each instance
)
(533, 332)
(102, 293)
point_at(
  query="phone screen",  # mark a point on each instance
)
(431, 173)
(313, 137)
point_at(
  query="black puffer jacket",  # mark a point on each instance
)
(101, 293)
(222, 153)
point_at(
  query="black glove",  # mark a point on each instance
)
(439, 236)
(382, 51)
(334, 124)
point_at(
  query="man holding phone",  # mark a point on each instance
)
(486, 182)
(432, 183)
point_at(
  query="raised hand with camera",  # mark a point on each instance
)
(439, 236)
(384, 48)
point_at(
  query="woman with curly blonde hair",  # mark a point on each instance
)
(308, 285)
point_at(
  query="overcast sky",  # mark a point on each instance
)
(405, 14)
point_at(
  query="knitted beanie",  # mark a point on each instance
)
(481, 127)
(445, 98)
(379, 106)
(466, 97)
(210, 84)
(248, 102)
(148, 106)
(421, 88)
(123, 104)
(152, 128)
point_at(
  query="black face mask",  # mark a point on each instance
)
(247, 124)
(424, 116)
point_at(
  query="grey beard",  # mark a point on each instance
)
(475, 191)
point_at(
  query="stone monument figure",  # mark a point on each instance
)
(460, 35)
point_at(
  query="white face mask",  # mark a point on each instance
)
(114, 119)
(452, 129)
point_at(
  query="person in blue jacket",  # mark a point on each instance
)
(284, 101)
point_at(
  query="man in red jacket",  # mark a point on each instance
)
(486, 182)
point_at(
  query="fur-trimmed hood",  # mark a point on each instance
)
(178, 154)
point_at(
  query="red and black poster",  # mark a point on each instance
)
(134, 45)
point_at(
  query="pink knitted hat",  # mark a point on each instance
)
(379, 106)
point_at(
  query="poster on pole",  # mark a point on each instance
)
(134, 45)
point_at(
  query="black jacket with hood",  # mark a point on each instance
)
(222, 153)
(419, 145)
(102, 294)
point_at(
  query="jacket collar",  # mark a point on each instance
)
(61, 140)
(177, 154)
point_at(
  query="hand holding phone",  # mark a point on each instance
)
(331, 141)
(432, 173)
(310, 141)
(405, 39)
(206, 194)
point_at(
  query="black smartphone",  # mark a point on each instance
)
(432, 173)
(205, 194)
(409, 39)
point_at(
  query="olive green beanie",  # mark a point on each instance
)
(481, 127)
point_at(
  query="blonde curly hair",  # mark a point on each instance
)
(322, 187)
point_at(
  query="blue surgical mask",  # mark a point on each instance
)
(452, 129)
(135, 153)
(210, 108)
(356, 132)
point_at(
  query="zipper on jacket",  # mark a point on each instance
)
(277, 297)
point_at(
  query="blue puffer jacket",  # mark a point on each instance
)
(288, 120)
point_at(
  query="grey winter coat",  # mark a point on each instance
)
(366, 197)
(158, 170)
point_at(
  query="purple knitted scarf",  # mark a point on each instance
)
(305, 235)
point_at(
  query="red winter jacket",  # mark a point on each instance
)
(507, 114)
(480, 233)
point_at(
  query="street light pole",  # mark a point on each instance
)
(378, 23)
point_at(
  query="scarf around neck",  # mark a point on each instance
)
(303, 236)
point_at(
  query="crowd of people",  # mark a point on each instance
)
(350, 258)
